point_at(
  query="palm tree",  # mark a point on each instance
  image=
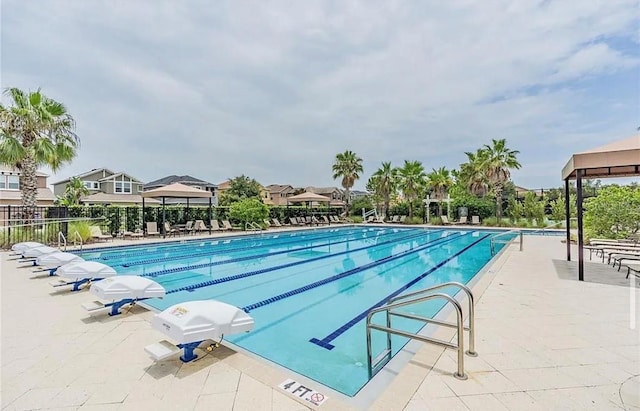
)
(347, 166)
(385, 182)
(473, 174)
(74, 191)
(439, 181)
(496, 161)
(35, 131)
(411, 181)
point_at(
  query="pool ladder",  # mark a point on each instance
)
(375, 364)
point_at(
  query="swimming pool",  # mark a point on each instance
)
(309, 291)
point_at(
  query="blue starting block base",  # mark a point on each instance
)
(188, 351)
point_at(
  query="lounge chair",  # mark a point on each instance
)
(275, 222)
(395, 219)
(324, 220)
(215, 226)
(132, 234)
(188, 228)
(295, 221)
(152, 228)
(96, 234)
(199, 226)
(227, 225)
(169, 231)
(462, 220)
(445, 220)
(475, 220)
(403, 218)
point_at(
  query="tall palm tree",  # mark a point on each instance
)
(35, 131)
(440, 181)
(347, 166)
(497, 160)
(385, 183)
(411, 181)
(473, 174)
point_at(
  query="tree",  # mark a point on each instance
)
(384, 182)
(249, 210)
(439, 181)
(73, 192)
(347, 166)
(472, 174)
(411, 181)
(496, 161)
(614, 213)
(35, 131)
(240, 188)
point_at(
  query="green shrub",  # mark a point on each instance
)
(490, 221)
(480, 206)
(614, 213)
(414, 220)
(357, 219)
(435, 221)
(82, 227)
(248, 210)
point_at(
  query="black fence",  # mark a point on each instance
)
(43, 224)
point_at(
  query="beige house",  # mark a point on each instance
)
(277, 194)
(334, 193)
(106, 187)
(189, 181)
(10, 193)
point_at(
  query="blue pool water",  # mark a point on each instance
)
(309, 291)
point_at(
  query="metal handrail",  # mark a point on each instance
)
(495, 237)
(62, 240)
(76, 235)
(251, 226)
(43, 221)
(414, 298)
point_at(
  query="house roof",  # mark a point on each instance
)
(278, 188)
(117, 198)
(186, 179)
(111, 177)
(85, 174)
(224, 185)
(320, 190)
(44, 194)
(617, 159)
(177, 190)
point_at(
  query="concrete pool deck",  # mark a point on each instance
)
(545, 341)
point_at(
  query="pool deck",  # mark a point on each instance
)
(545, 341)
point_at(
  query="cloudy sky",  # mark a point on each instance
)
(275, 90)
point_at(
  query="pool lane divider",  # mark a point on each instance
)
(201, 253)
(221, 280)
(326, 341)
(429, 244)
(251, 257)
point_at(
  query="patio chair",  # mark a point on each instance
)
(403, 218)
(295, 221)
(324, 219)
(445, 219)
(395, 219)
(462, 220)
(199, 226)
(188, 228)
(169, 231)
(475, 220)
(96, 233)
(227, 225)
(132, 235)
(152, 228)
(276, 222)
(215, 226)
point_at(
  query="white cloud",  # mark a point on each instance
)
(276, 89)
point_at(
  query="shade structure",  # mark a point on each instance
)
(175, 190)
(617, 159)
(308, 196)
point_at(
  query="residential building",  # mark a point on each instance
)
(10, 193)
(334, 193)
(188, 181)
(354, 194)
(106, 187)
(277, 194)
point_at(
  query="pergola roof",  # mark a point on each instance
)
(618, 159)
(177, 190)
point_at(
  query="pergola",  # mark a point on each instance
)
(617, 159)
(175, 190)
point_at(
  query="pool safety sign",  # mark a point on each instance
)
(299, 390)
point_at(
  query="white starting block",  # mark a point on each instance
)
(191, 323)
(52, 261)
(36, 252)
(126, 289)
(77, 274)
(19, 248)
